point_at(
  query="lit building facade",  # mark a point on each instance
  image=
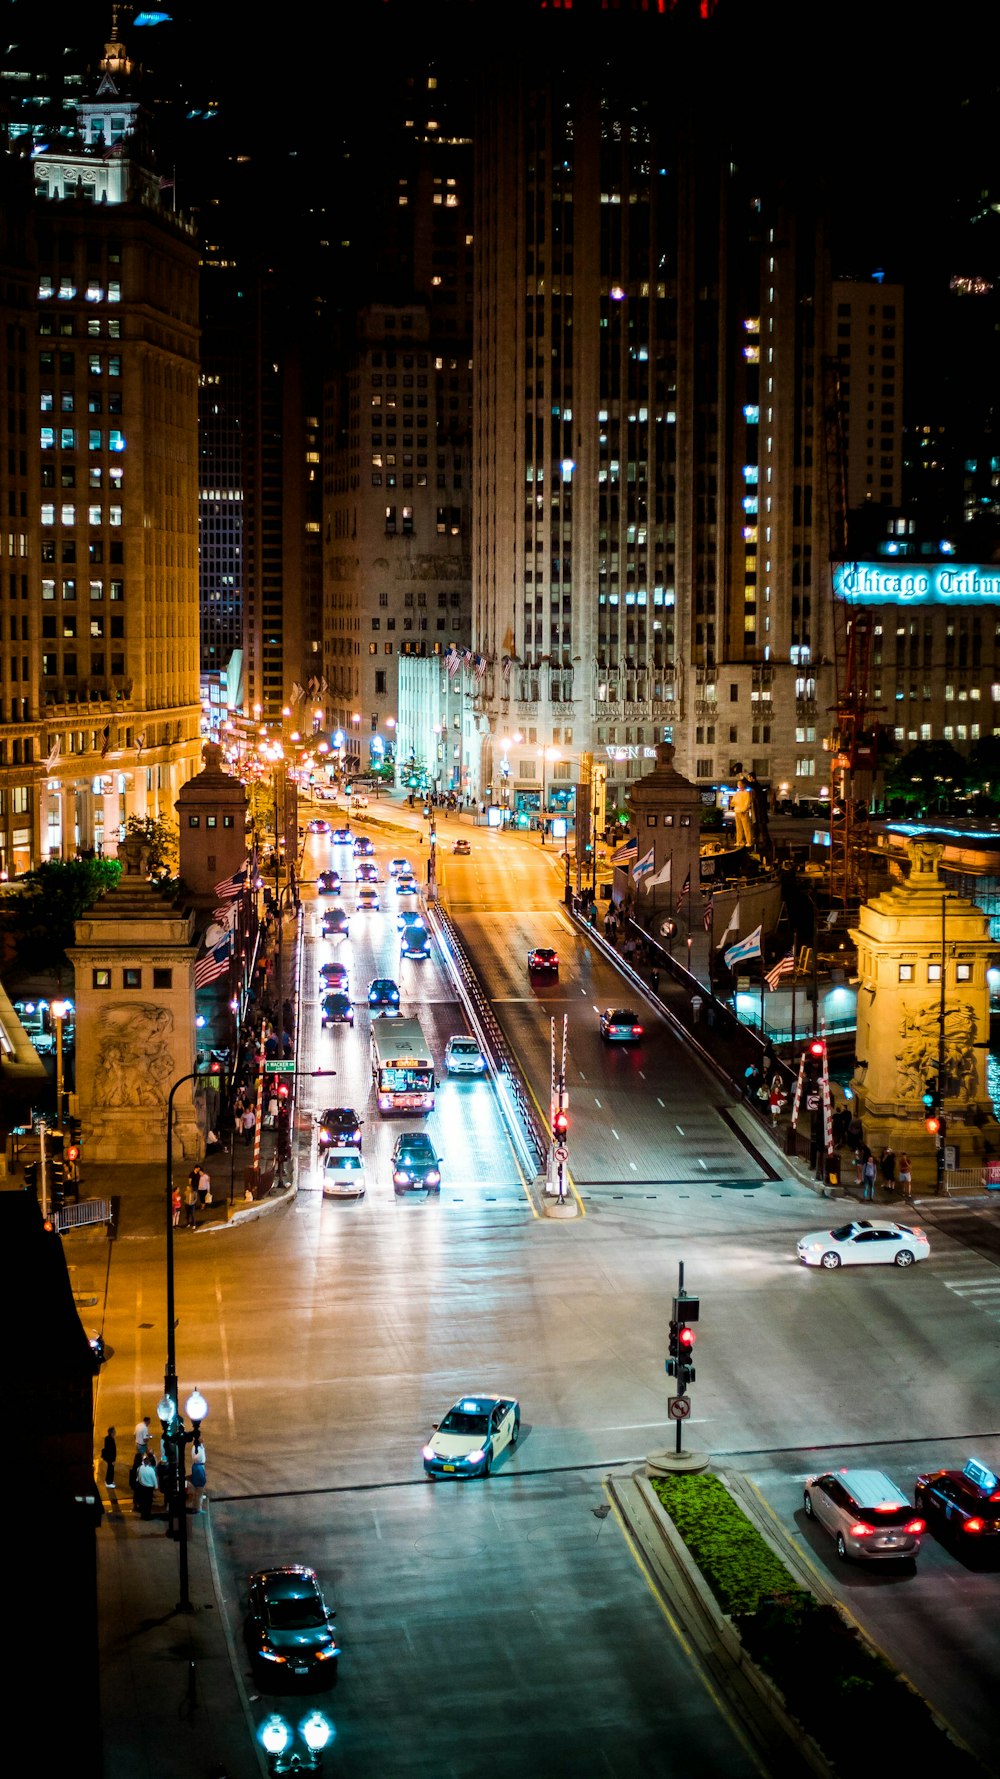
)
(101, 703)
(650, 552)
(869, 349)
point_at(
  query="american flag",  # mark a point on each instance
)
(480, 666)
(140, 742)
(709, 914)
(213, 964)
(231, 886)
(453, 661)
(626, 852)
(785, 966)
(685, 891)
(505, 667)
(105, 741)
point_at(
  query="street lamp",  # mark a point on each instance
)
(276, 1737)
(59, 1010)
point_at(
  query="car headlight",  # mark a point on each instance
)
(401, 1179)
(270, 1655)
(432, 1177)
(475, 1457)
(328, 1653)
(429, 1452)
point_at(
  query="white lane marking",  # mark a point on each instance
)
(632, 1166)
(700, 1162)
(598, 1105)
(614, 1133)
(678, 1128)
(659, 1101)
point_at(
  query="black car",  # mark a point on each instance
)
(415, 1167)
(339, 1128)
(543, 961)
(328, 883)
(289, 1630)
(383, 995)
(965, 1504)
(333, 975)
(336, 1009)
(363, 847)
(336, 923)
(366, 871)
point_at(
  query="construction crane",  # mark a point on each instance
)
(853, 740)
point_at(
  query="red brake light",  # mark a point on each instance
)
(637, 1031)
(860, 1530)
(973, 1525)
(915, 1526)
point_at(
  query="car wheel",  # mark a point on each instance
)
(807, 1503)
(904, 1257)
(831, 1262)
(841, 1547)
(515, 1433)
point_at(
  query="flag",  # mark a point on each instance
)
(452, 661)
(231, 886)
(298, 691)
(227, 915)
(505, 667)
(626, 852)
(642, 865)
(105, 741)
(709, 914)
(51, 758)
(685, 891)
(140, 742)
(732, 926)
(784, 967)
(660, 876)
(213, 964)
(831, 919)
(744, 948)
(480, 666)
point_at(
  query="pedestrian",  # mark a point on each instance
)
(175, 1206)
(109, 1458)
(859, 1165)
(198, 1475)
(905, 1173)
(272, 1112)
(249, 1121)
(191, 1201)
(204, 1187)
(887, 1165)
(868, 1177)
(776, 1100)
(145, 1485)
(143, 1434)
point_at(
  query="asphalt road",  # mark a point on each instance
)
(505, 1623)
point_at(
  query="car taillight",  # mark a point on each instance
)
(637, 1031)
(915, 1526)
(860, 1530)
(973, 1525)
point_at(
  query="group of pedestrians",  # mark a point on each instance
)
(891, 1168)
(149, 1475)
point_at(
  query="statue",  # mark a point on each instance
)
(135, 1061)
(925, 857)
(918, 1060)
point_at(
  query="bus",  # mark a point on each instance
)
(402, 1066)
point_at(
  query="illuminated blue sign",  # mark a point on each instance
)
(951, 583)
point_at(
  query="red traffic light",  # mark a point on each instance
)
(282, 1090)
(932, 1126)
(686, 1338)
(73, 1152)
(817, 1047)
(560, 1121)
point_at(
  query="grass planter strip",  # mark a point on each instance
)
(842, 1692)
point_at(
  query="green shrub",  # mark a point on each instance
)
(841, 1691)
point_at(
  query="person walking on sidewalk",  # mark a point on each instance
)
(175, 1206)
(249, 1121)
(868, 1177)
(905, 1173)
(191, 1200)
(204, 1187)
(145, 1485)
(888, 1166)
(109, 1458)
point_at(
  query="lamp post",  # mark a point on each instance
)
(59, 1010)
(276, 1738)
(546, 753)
(173, 1430)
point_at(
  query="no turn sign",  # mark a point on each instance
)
(679, 1407)
(562, 1153)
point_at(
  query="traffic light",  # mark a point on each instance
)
(673, 1348)
(74, 1130)
(31, 1176)
(930, 1094)
(560, 1123)
(686, 1338)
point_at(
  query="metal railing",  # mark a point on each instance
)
(511, 1085)
(79, 1216)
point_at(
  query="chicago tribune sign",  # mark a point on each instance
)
(630, 753)
(911, 583)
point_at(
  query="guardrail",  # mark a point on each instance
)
(515, 1100)
(79, 1216)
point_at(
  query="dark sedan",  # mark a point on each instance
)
(620, 1025)
(342, 837)
(336, 1009)
(965, 1506)
(328, 883)
(383, 995)
(289, 1630)
(543, 961)
(339, 1128)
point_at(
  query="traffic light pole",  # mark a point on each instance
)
(557, 1201)
(685, 1310)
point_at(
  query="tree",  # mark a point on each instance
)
(161, 838)
(928, 779)
(984, 768)
(52, 898)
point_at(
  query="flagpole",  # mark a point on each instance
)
(762, 991)
(794, 937)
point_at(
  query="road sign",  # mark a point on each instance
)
(562, 1153)
(812, 1102)
(281, 1066)
(679, 1407)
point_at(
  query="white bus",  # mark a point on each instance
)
(402, 1066)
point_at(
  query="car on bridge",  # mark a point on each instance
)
(543, 962)
(463, 1057)
(472, 1436)
(415, 1167)
(620, 1025)
(342, 837)
(336, 1009)
(336, 924)
(328, 883)
(363, 847)
(343, 1174)
(462, 848)
(339, 1127)
(383, 995)
(333, 975)
(318, 826)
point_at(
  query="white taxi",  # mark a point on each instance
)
(472, 1436)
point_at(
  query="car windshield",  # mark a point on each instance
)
(894, 1513)
(844, 1233)
(341, 1161)
(623, 1016)
(295, 1615)
(464, 1047)
(468, 1426)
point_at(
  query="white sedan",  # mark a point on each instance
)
(343, 1173)
(864, 1244)
(472, 1435)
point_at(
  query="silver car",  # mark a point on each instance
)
(462, 1056)
(866, 1515)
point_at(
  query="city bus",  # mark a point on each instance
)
(402, 1066)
